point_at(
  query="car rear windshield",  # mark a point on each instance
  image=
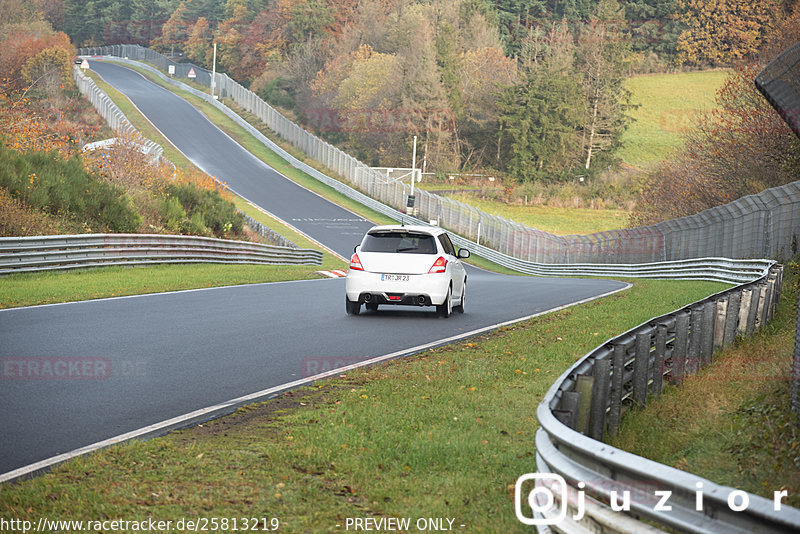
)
(404, 242)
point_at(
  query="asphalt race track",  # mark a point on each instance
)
(80, 373)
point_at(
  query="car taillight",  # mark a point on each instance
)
(355, 263)
(439, 266)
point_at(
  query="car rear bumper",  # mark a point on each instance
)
(418, 290)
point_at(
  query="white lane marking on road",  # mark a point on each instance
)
(182, 420)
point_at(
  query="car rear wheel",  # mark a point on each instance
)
(460, 307)
(352, 308)
(446, 308)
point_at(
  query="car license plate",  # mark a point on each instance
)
(394, 278)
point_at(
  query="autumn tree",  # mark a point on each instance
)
(485, 71)
(723, 31)
(174, 32)
(51, 10)
(49, 70)
(228, 37)
(199, 44)
(17, 12)
(306, 19)
(22, 43)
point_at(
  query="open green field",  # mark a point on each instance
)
(559, 221)
(667, 105)
(443, 434)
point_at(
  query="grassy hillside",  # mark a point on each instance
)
(554, 219)
(667, 104)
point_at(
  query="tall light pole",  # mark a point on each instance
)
(414, 166)
(410, 209)
(214, 71)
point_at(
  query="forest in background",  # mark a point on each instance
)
(528, 90)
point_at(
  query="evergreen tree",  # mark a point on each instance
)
(540, 120)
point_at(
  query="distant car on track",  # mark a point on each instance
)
(406, 265)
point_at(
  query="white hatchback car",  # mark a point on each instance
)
(406, 265)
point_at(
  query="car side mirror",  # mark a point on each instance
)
(463, 253)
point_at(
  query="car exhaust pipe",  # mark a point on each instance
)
(367, 297)
(421, 300)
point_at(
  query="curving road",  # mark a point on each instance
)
(218, 155)
(76, 374)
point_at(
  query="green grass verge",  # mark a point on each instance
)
(559, 221)
(28, 289)
(442, 434)
(667, 105)
(731, 423)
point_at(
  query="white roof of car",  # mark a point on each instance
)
(433, 230)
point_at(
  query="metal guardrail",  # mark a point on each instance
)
(266, 232)
(586, 403)
(41, 253)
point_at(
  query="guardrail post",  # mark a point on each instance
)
(771, 285)
(795, 387)
(584, 388)
(680, 347)
(602, 377)
(620, 356)
(641, 366)
(752, 316)
(731, 318)
(660, 358)
(707, 347)
(568, 413)
(695, 340)
(719, 327)
(744, 311)
(778, 288)
(762, 299)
